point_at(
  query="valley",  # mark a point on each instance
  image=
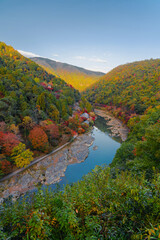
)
(108, 170)
(79, 120)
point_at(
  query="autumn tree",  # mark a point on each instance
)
(3, 126)
(52, 131)
(5, 165)
(13, 128)
(38, 139)
(27, 125)
(8, 141)
(75, 122)
(64, 112)
(21, 156)
(54, 113)
(41, 101)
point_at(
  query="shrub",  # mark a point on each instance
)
(99, 207)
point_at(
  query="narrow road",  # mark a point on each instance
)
(34, 162)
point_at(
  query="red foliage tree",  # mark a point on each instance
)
(39, 139)
(8, 141)
(3, 126)
(53, 134)
(52, 131)
(74, 133)
(5, 166)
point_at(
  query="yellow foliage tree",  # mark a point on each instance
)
(21, 156)
(13, 128)
(27, 122)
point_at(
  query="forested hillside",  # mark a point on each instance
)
(79, 78)
(131, 92)
(134, 86)
(26, 89)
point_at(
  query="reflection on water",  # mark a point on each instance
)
(101, 125)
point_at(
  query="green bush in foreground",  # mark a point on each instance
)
(99, 207)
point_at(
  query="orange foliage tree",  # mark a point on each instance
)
(39, 139)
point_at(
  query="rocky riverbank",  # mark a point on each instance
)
(118, 129)
(49, 170)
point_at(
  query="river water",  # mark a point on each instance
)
(101, 152)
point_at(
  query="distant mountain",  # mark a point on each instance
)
(78, 77)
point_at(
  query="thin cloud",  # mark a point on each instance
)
(80, 57)
(55, 55)
(28, 54)
(97, 60)
(99, 69)
(32, 55)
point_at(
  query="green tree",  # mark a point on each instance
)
(54, 113)
(41, 101)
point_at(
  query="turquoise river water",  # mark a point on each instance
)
(101, 152)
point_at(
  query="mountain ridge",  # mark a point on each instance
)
(80, 78)
(70, 65)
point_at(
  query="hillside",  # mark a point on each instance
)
(79, 78)
(25, 85)
(135, 86)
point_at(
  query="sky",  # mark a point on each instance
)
(94, 34)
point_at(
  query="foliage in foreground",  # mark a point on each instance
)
(102, 206)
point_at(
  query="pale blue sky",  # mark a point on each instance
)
(95, 34)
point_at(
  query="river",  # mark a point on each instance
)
(101, 152)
